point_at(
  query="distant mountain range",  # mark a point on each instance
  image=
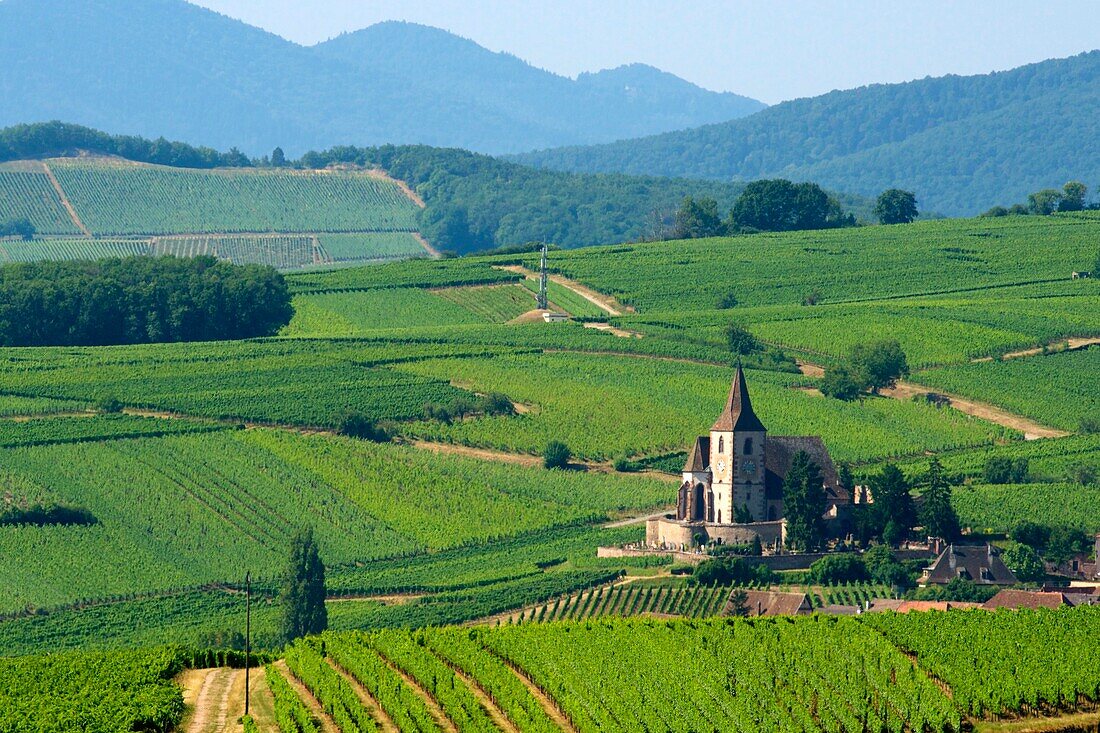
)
(165, 67)
(962, 144)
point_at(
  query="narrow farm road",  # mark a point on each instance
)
(1071, 344)
(214, 700)
(905, 391)
(1031, 429)
(68, 206)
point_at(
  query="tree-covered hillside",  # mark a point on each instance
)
(962, 144)
(153, 67)
(473, 201)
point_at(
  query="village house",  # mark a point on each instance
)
(732, 489)
(981, 564)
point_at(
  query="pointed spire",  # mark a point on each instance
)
(738, 414)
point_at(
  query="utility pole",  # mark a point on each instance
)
(542, 301)
(247, 633)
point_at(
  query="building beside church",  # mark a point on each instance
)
(736, 473)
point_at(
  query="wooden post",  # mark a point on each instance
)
(247, 633)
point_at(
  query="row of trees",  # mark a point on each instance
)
(139, 300)
(778, 205)
(775, 205)
(1071, 197)
(53, 139)
(890, 518)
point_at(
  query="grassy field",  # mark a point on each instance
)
(495, 304)
(328, 218)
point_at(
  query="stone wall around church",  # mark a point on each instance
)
(671, 534)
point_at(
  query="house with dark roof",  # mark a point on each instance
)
(981, 564)
(736, 473)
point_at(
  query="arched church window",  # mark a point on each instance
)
(721, 444)
(748, 446)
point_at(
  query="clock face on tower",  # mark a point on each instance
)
(721, 465)
(748, 467)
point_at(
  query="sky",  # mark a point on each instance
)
(772, 51)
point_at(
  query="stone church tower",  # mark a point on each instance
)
(737, 455)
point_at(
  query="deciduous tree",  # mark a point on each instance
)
(895, 206)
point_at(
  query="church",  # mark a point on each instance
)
(732, 490)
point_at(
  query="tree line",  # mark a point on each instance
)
(139, 300)
(56, 139)
(1073, 196)
(779, 205)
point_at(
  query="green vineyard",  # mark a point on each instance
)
(114, 199)
(30, 195)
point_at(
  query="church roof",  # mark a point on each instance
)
(781, 451)
(699, 457)
(738, 414)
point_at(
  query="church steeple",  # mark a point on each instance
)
(738, 415)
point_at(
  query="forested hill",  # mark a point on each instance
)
(962, 144)
(166, 67)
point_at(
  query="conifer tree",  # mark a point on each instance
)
(937, 514)
(304, 589)
(804, 503)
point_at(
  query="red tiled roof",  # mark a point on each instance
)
(1026, 599)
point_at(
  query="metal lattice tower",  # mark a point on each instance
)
(541, 299)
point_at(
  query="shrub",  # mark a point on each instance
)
(109, 405)
(556, 455)
(1005, 470)
(838, 569)
(740, 341)
(357, 425)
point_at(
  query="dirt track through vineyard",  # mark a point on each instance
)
(214, 700)
(65, 200)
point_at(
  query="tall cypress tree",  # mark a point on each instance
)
(304, 589)
(937, 514)
(804, 503)
(893, 503)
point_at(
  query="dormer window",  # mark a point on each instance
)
(748, 446)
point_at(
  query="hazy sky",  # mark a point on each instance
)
(768, 49)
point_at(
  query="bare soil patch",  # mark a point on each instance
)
(620, 332)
